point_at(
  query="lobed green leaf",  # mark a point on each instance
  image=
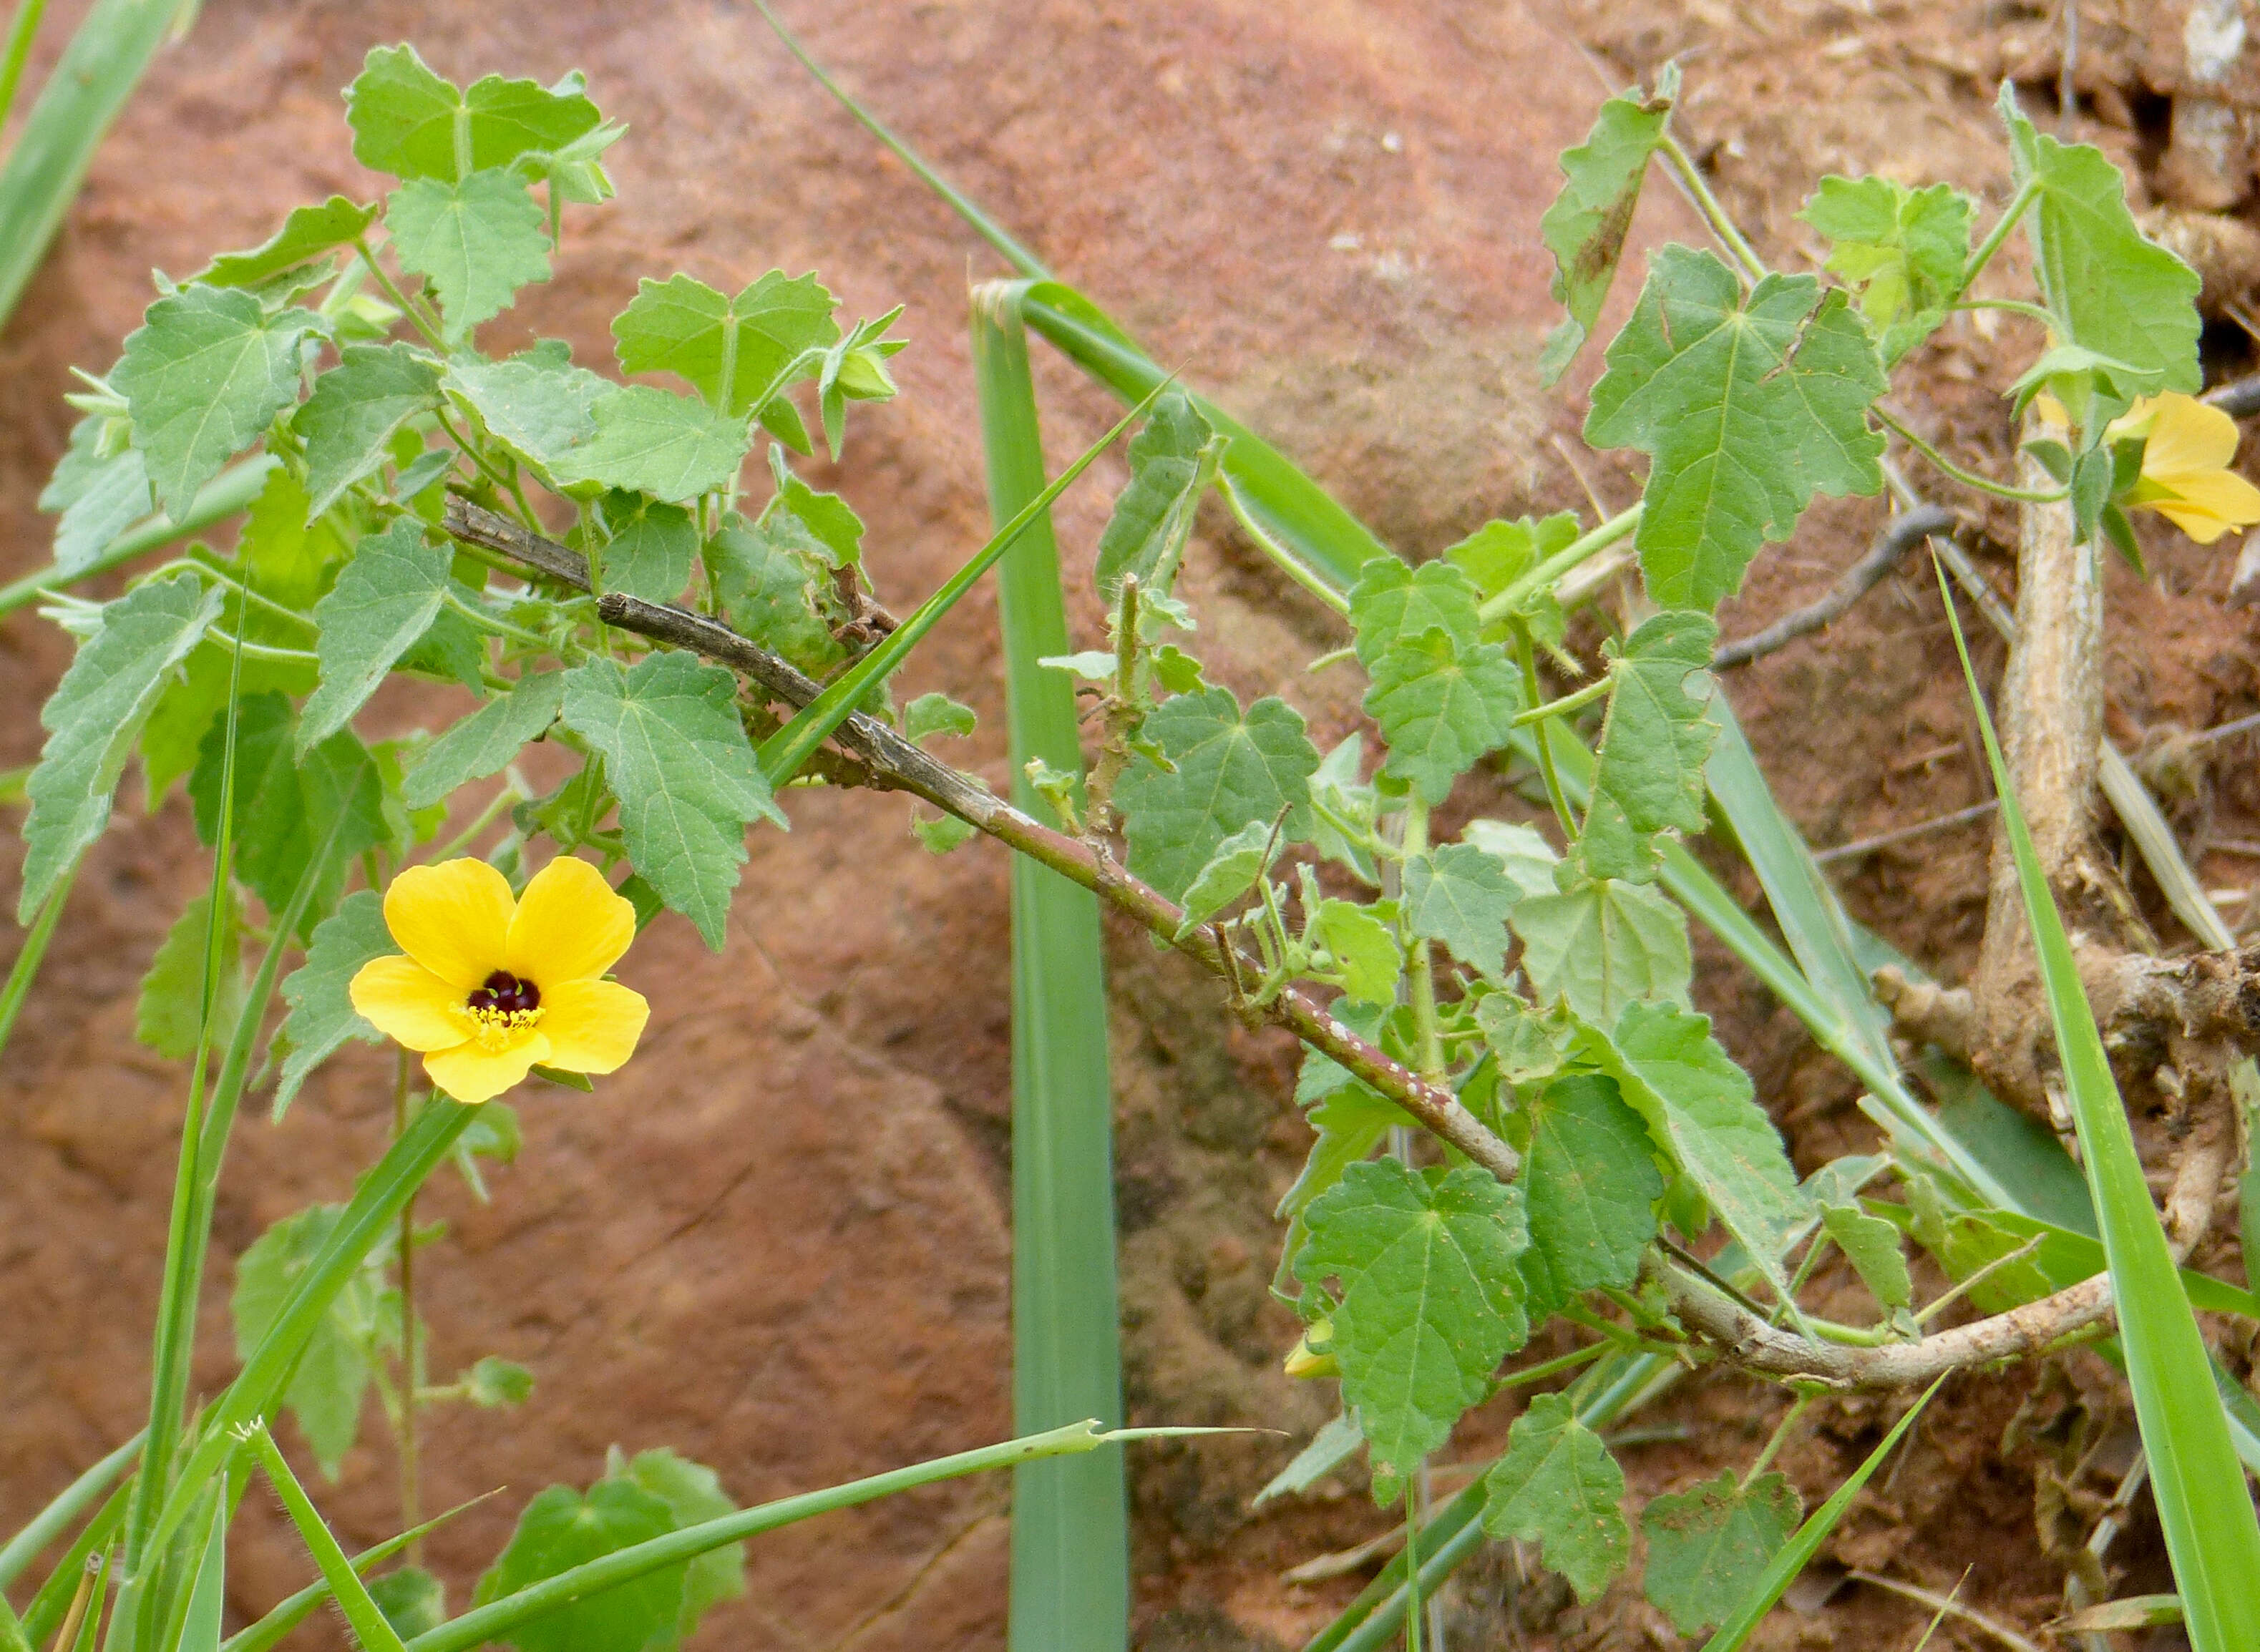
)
(1586, 226)
(1230, 769)
(1557, 1486)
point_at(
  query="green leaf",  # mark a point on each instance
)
(348, 422)
(169, 1016)
(1653, 744)
(1603, 946)
(1903, 249)
(1461, 896)
(1591, 1184)
(817, 525)
(1748, 406)
(476, 241)
(385, 600)
(1364, 949)
(99, 495)
(409, 122)
(560, 1529)
(286, 805)
(1709, 1546)
(1392, 604)
(1699, 1108)
(174, 736)
(495, 1382)
(1172, 462)
(677, 755)
(204, 375)
(2111, 289)
(693, 1493)
(648, 441)
(931, 714)
(1557, 1486)
(538, 404)
(412, 1600)
(496, 1134)
(1442, 705)
(332, 1375)
(1231, 770)
(305, 235)
(1871, 1245)
(941, 834)
(485, 742)
(322, 1016)
(651, 547)
(95, 716)
(1350, 1123)
(1229, 873)
(1585, 228)
(1521, 851)
(768, 592)
(1431, 1298)
(731, 351)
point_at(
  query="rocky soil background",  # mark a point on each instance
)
(777, 1241)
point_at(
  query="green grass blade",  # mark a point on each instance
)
(368, 1218)
(495, 1621)
(207, 1599)
(782, 752)
(369, 1625)
(289, 1613)
(44, 1615)
(47, 1524)
(995, 234)
(1783, 1570)
(223, 497)
(2212, 1536)
(1071, 1564)
(21, 29)
(26, 970)
(97, 72)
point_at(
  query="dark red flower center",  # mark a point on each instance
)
(502, 993)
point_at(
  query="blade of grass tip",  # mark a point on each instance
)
(1015, 254)
(231, 491)
(47, 1524)
(1320, 544)
(367, 1218)
(289, 1613)
(12, 1638)
(26, 969)
(48, 1607)
(21, 30)
(97, 74)
(781, 755)
(2212, 1536)
(1781, 1570)
(495, 1621)
(368, 1623)
(1071, 1556)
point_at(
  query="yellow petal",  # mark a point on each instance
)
(453, 919)
(403, 1000)
(569, 926)
(592, 1026)
(473, 1075)
(2187, 439)
(2206, 507)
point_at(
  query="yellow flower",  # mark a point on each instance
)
(2185, 475)
(493, 985)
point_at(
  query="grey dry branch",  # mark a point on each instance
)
(1749, 1341)
(895, 764)
(1900, 536)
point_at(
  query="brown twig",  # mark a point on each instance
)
(1900, 536)
(895, 764)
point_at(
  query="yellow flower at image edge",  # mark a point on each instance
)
(2185, 475)
(493, 985)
